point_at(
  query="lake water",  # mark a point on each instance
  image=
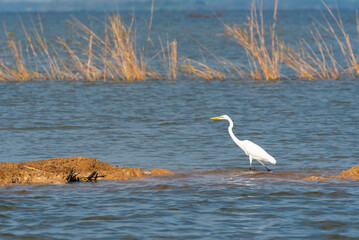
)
(310, 127)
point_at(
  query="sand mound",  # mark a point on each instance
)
(351, 173)
(55, 170)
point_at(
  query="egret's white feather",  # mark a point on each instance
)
(250, 148)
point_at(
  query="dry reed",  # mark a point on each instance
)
(38, 61)
(46, 57)
(312, 63)
(264, 61)
(114, 55)
(320, 63)
(15, 67)
(200, 70)
(169, 59)
(172, 60)
(345, 44)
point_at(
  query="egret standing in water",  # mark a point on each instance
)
(250, 148)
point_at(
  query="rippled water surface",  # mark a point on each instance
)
(308, 126)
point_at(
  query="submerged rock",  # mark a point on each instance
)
(55, 170)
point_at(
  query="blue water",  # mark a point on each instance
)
(308, 126)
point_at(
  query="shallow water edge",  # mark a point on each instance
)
(56, 171)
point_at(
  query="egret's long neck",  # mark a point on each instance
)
(230, 130)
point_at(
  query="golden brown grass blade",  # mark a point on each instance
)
(195, 69)
(169, 59)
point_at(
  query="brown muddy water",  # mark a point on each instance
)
(310, 127)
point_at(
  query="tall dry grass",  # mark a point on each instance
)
(321, 63)
(201, 70)
(169, 59)
(31, 60)
(17, 71)
(113, 56)
(172, 60)
(312, 63)
(264, 59)
(314, 60)
(343, 39)
(13, 66)
(45, 56)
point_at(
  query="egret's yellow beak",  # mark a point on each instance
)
(220, 117)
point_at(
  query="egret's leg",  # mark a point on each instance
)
(264, 165)
(250, 163)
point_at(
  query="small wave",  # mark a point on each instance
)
(328, 225)
(6, 208)
(41, 128)
(228, 209)
(161, 187)
(100, 218)
(313, 194)
(282, 194)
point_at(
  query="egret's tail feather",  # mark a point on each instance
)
(272, 160)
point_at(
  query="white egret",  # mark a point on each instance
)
(250, 148)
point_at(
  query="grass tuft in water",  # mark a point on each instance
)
(115, 56)
(264, 59)
(312, 63)
(196, 69)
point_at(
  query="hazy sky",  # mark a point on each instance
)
(69, 5)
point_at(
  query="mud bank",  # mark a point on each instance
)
(352, 173)
(302, 175)
(55, 170)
